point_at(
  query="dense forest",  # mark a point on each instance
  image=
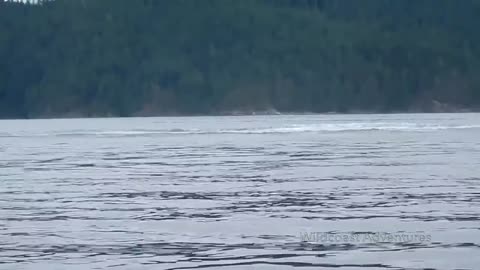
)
(72, 58)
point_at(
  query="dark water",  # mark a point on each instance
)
(260, 192)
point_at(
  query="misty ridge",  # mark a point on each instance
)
(89, 58)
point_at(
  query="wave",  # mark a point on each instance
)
(319, 128)
(305, 128)
(349, 127)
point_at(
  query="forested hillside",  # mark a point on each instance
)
(167, 57)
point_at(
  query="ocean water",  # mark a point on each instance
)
(247, 192)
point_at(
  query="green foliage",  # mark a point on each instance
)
(152, 57)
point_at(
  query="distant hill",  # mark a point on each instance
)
(173, 57)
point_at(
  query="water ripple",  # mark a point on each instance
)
(241, 192)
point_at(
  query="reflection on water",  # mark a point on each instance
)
(241, 192)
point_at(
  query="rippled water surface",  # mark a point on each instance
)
(256, 192)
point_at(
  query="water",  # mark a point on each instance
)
(260, 192)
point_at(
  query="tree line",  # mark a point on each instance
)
(175, 57)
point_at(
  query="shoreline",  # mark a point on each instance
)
(239, 114)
